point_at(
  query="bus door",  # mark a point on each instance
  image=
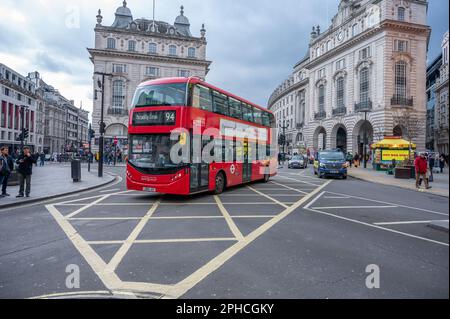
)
(199, 171)
(247, 164)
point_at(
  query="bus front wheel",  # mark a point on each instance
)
(220, 184)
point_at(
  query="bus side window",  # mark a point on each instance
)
(266, 119)
(248, 113)
(273, 123)
(235, 108)
(220, 103)
(257, 113)
(202, 98)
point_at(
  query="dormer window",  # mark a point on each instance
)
(401, 14)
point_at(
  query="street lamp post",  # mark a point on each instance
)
(101, 85)
(22, 125)
(284, 127)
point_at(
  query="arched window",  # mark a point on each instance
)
(328, 45)
(152, 48)
(321, 98)
(401, 14)
(340, 92)
(364, 85)
(400, 79)
(191, 52)
(172, 50)
(118, 94)
(132, 45)
(111, 43)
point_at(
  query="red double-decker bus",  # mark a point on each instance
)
(187, 136)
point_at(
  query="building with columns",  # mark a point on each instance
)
(365, 68)
(132, 51)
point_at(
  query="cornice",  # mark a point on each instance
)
(143, 56)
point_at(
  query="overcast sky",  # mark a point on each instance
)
(253, 43)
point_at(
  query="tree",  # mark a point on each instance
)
(412, 125)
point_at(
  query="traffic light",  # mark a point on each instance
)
(102, 128)
(19, 138)
(26, 133)
(91, 134)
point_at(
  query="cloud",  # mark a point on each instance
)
(253, 44)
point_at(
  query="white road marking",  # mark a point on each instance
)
(86, 207)
(387, 203)
(188, 283)
(354, 207)
(411, 222)
(299, 181)
(288, 187)
(375, 226)
(234, 229)
(337, 197)
(159, 241)
(110, 190)
(73, 293)
(109, 279)
(267, 196)
(112, 265)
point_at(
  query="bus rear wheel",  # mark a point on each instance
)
(220, 184)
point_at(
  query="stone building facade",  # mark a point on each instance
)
(135, 50)
(433, 73)
(16, 91)
(369, 64)
(442, 103)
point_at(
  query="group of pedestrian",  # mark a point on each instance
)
(24, 162)
(424, 166)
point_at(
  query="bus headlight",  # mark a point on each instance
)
(176, 177)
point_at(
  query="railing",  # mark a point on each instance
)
(402, 101)
(320, 115)
(117, 112)
(340, 111)
(363, 106)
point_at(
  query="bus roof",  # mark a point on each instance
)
(196, 80)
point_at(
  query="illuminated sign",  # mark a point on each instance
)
(398, 155)
(153, 118)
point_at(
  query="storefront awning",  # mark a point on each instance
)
(393, 143)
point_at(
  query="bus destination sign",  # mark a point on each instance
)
(153, 118)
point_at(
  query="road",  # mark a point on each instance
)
(296, 237)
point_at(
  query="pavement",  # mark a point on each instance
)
(297, 236)
(440, 185)
(54, 180)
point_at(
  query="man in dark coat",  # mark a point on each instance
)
(7, 170)
(25, 170)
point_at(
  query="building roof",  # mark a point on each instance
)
(124, 20)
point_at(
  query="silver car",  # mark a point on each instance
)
(297, 161)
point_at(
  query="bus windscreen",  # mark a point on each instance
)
(160, 95)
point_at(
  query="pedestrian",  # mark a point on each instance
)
(349, 159)
(356, 160)
(421, 167)
(6, 170)
(442, 163)
(279, 159)
(431, 164)
(25, 170)
(42, 159)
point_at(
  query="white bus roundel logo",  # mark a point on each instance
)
(232, 169)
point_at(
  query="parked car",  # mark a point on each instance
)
(297, 161)
(330, 163)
